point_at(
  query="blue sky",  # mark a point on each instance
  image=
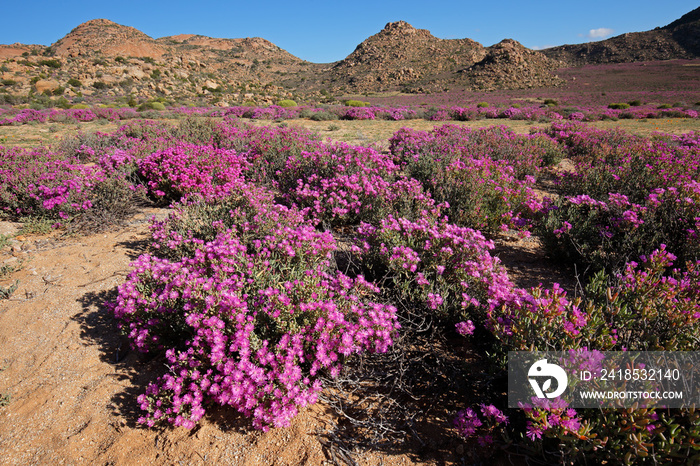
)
(323, 31)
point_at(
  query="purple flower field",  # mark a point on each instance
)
(287, 260)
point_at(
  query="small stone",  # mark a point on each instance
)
(9, 261)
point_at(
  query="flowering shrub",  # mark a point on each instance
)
(359, 113)
(267, 148)
(344, 185)
(472, 172)
(261, 320)
(37, 182)
(487, 426)
(627, 196)
(648, 309)
(433, 267)
(251, 212)
(186, 169)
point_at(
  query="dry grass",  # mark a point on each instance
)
(361, 132)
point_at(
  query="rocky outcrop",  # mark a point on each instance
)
(43, 86)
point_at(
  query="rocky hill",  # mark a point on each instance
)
(105, 61)
(403, 57)
(680, 39)
(104, 37)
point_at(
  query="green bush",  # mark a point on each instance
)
(99, 85)
(619, 105)
(74, 82)
(635, 103)
(8, 82)
(63, 103)
(287, 103)
(152, 106)
(79, 106)
(551, 102)
(53, 63)
(664, 106)
(323, 116)
(482, 104)
(356, 103)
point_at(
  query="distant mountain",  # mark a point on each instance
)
(104, 61)
(680, 39)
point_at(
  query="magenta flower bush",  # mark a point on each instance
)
(264, 319)
(626, 197)
(37, 182)
(433, 267)
(343, 185)
(481, 176)
(486, 427)
(251, 212)
(187, 169)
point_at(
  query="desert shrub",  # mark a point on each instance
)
(664, 106)
(635, 103)
(196, 130)
(645, 308)
(100, 85)
(151, 106)
(674, 114)
(551, 102)
(86, 147)
(267, 148)
(8, 82)
(343, 185)
(482, 105)
(433, 270)
(359, 113)
(63, 103)
(619, 106)
(52, 63)
(272, 313)
(45, 185)
(626, 197)
(607, 233)
(287, 103)
(356, 103)
(485, 175)
(186, 169)
(74, 82)
(251, 212)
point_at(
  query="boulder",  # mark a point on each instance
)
(44, 85)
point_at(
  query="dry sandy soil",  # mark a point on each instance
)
(68, 382)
